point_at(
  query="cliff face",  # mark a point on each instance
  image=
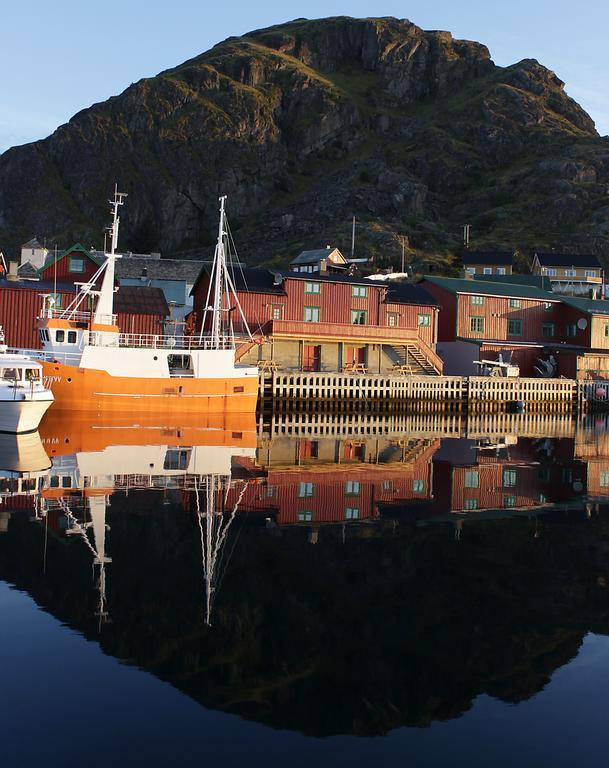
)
(303, 125)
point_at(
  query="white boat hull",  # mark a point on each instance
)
(17, 416)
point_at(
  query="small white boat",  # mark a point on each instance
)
(23, 397)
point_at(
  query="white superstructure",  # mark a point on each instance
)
(23, 397)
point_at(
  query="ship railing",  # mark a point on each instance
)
(56, 313)
(44, 356)
(178, 342)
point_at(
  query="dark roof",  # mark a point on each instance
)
(490, 288)
(33, 243)
(312, 257)
(158, 269)
(41, 286)
(254, 280)
(539, 281)
(28, 270)
(141, 300)
(408, 293)
(488, 257)
(590, 306)
(567, 260)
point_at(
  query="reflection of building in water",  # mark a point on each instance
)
(526, 474)
(329, 481)
(592, 447)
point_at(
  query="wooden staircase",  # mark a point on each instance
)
(413, 359)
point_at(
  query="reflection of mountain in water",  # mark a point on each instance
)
(390, 619)
(353, 635)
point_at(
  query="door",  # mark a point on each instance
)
(311, 357)
(355, 355)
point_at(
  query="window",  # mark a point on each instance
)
(271, 491)
(276, 311)
(177, 458)
(567, 475)
(71, 337)
(312, 314)
(352, 487)
(470, 504)
(66, 482)
(358, 316)
(514, 303)
(471, 270)
(547, 330)
(359, 292)
(606, 330)
(501, 270)
(54, 481)
(55, 300)
(487, 271)
(76, 264)
(476, 324)
(351, 513)
(509, 501)
(425, 320)
(570, 273)
(306, 490)
(551, 272)
(514, 327)
(387, 485)
(548, 306)
(604, 479)
(477, 301)
(313, 288)
(571, 330)
(509, 478)
(418, 486)
(591, 273)
(543, 474)
(305, 516)
(472, 479)
(60, 336)
(392, 319)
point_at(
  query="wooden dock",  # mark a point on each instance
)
(338, 392)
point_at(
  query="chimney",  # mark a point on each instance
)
(13, 266)
(323, 266)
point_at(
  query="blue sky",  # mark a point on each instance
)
(59, 57)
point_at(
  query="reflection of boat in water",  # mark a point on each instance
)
(23, 464)
(23, 397)
(93, 461)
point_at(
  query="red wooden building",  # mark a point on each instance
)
(74, 265)
(479, 320)
(139, 309)
(329, 322)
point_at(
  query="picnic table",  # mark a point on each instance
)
(267, 365)
(355, 368)
(401, 369)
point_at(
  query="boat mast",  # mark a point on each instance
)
(105, 301)
(219, 270)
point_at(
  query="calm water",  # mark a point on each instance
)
(367, 592)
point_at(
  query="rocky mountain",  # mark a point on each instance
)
(306, 124)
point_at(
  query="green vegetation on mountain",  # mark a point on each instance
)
(306, 124)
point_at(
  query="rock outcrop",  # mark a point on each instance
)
(305, 124)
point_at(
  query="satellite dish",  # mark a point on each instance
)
(582, 323)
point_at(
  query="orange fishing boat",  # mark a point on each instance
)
(91, 366)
